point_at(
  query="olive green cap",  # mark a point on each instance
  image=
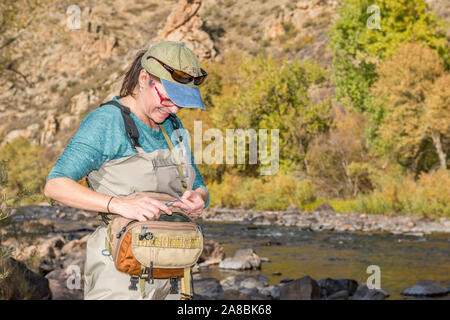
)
(174, 54)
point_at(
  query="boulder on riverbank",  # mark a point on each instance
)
(246, 287)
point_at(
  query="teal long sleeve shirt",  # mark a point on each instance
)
(101, 137)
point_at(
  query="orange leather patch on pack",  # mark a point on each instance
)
(126, 262)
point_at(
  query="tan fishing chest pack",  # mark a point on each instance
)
(156, 249)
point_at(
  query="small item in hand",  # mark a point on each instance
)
(171, 202)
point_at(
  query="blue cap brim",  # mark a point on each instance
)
(183, 96)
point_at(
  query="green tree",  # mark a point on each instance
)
(405, 81)
(266, 95)
(358, 49)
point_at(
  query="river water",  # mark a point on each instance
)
(403, 260)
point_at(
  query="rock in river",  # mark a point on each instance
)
(425, 288)
(304, 288)
(330, 286)
(207, 288)
(241, 281)
(242, 260)
(364, 293)
(212, 253)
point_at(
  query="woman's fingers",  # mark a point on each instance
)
(144, 213)
(165, 209)
(159, 205)
(194, 197)
(191, 202)
(140, 217)
(182, 205)
(147, 208)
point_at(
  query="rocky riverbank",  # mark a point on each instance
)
(324, 218)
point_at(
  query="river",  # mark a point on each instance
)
(403, 260)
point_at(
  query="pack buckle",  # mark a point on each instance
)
(133, 283)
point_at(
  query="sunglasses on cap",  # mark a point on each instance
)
(181, 76)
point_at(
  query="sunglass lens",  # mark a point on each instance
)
(199, 80)
(181, 77)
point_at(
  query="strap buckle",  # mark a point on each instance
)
(147, 273)
(173, 285)
(133, 283)
(185, 296)
(103, 217)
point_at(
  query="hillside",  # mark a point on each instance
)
(58, 74)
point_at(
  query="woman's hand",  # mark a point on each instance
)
(140, 208)
(192, 202)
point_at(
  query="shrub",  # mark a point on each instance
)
(428, 196)
(272, 193)
(339, 161)
(27, 168)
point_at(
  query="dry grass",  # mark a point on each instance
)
(429, 196)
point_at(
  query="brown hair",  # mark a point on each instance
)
(132, 76)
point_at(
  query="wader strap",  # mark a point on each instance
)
(142, 286)
(186, 293)
(146, 275)
(130, 126)
(175, 154)
(108, 238)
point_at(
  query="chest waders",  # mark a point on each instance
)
(160, 171)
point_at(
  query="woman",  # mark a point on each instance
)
(119, 161)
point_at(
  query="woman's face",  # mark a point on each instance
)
(150, 100)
